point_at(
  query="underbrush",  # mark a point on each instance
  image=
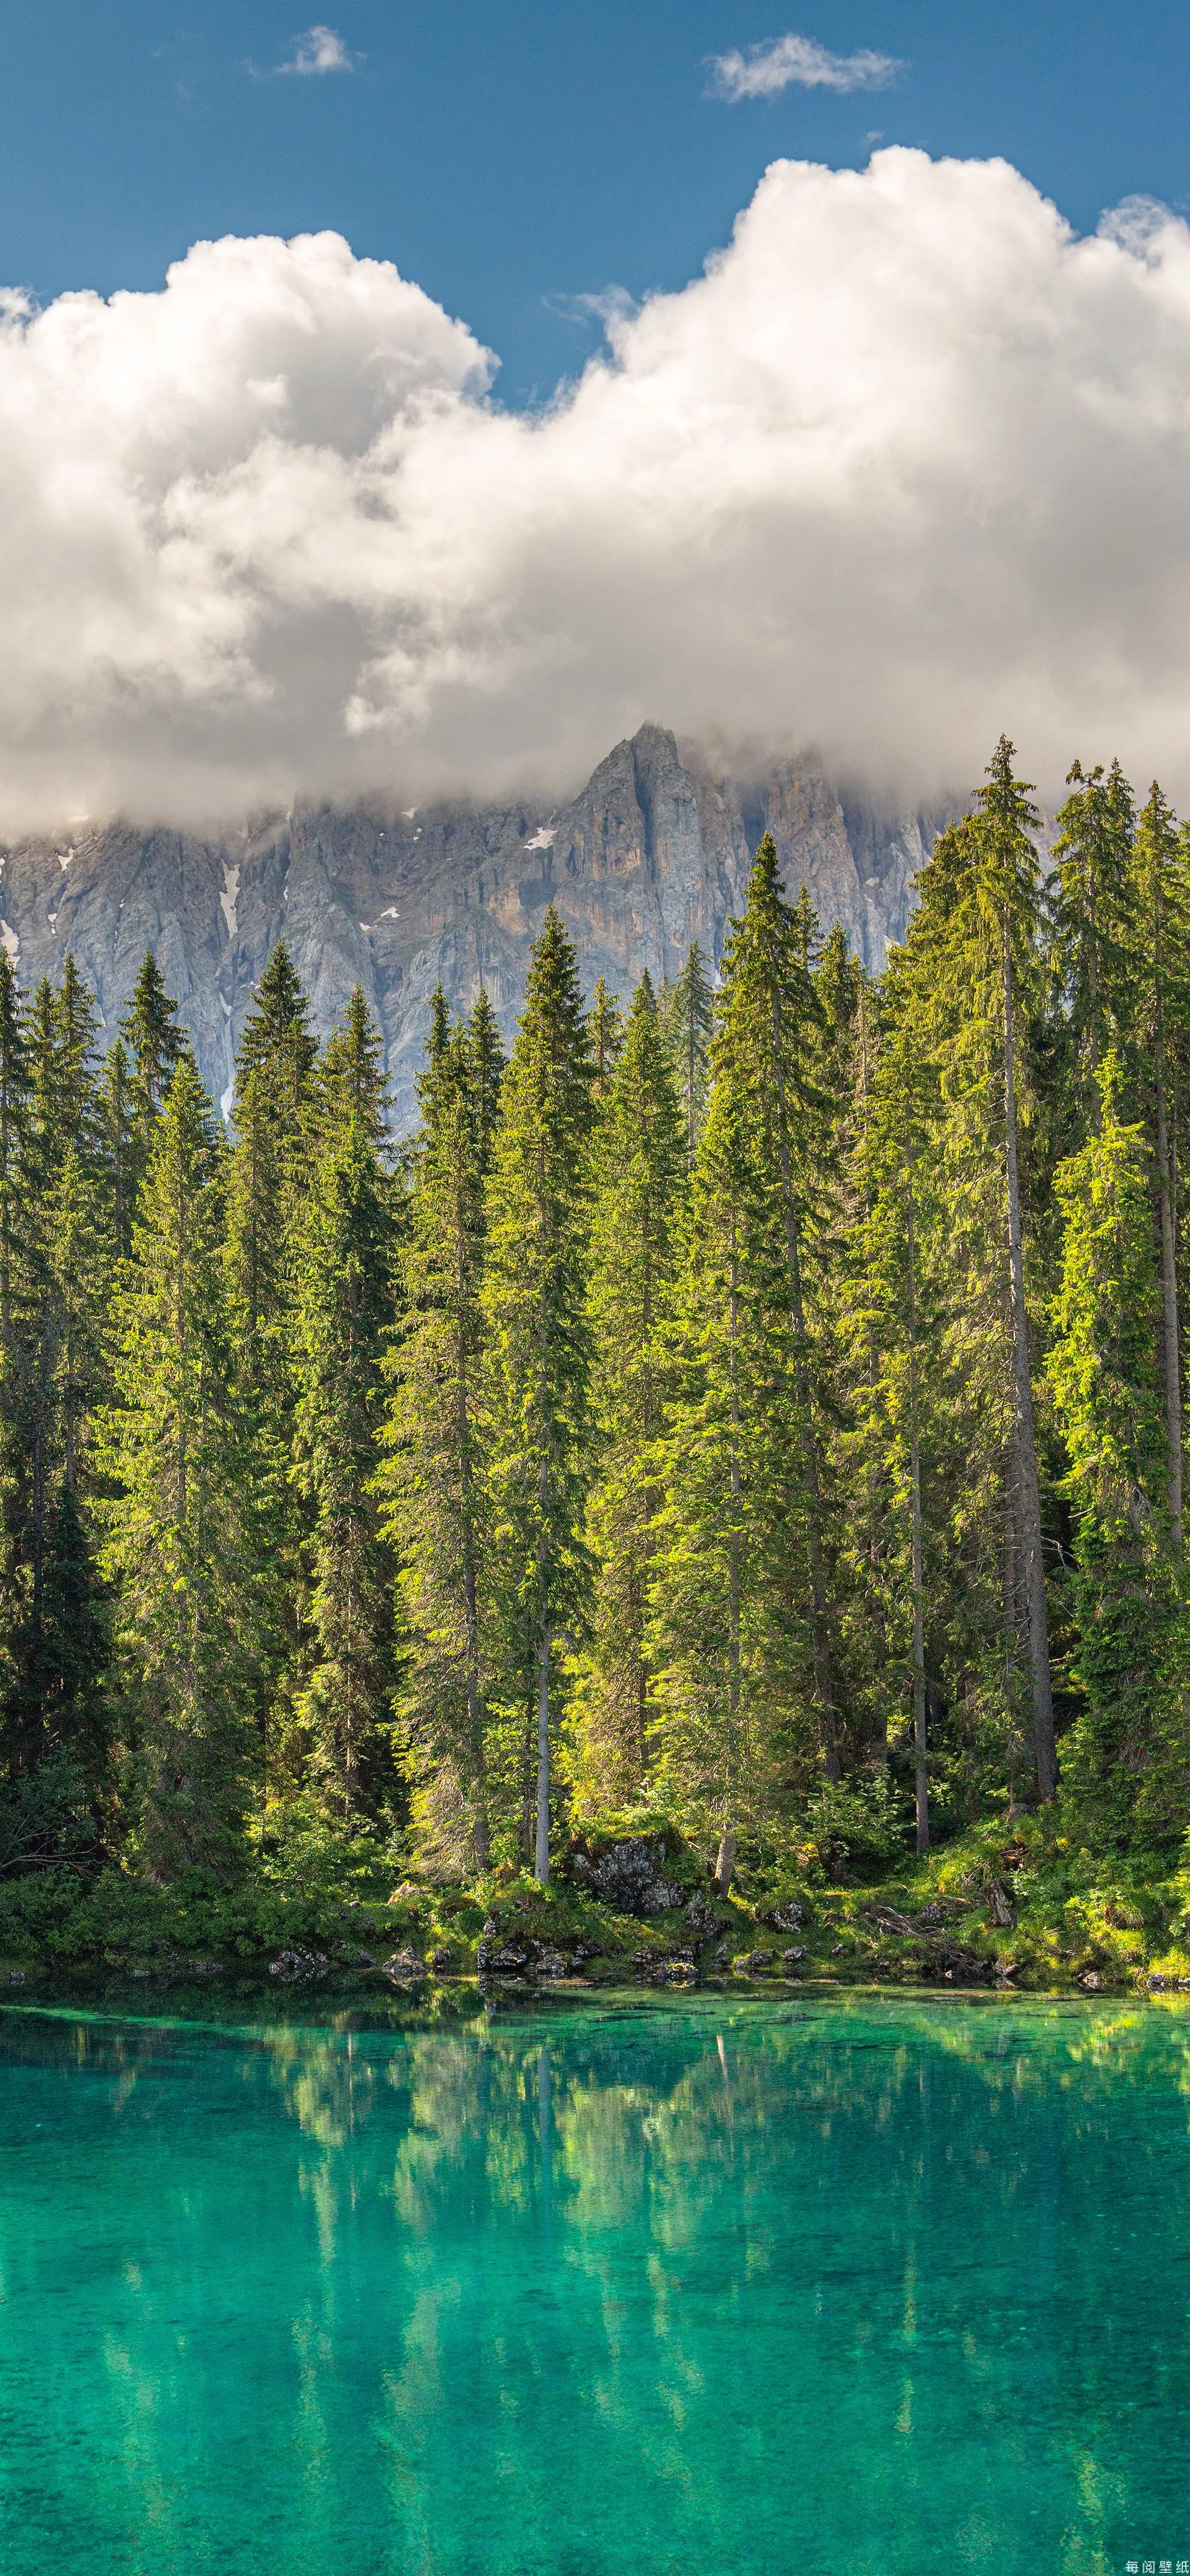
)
(1016, 1900)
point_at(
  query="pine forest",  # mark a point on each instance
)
(750, 1416)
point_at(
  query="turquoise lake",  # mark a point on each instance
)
(838, 2283)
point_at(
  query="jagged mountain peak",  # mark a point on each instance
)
(652, 853)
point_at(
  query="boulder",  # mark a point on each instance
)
(297, 1967)
(404, 1967)
(792, 1959)
(502, 1959)
(629, 1875)
(786, 1917)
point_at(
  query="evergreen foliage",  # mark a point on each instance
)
(538, 1425)
(758, 1411)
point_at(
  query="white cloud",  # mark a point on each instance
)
(909, 463)
(319, 50)
(788, 62)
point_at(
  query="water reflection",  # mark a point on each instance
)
(864, 2284)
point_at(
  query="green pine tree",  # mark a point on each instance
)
(344, 1312)
(743, 1618)
(607, 1037)
(687, 1011)
(155, 1040)
(538, 1428)
(638, 1181)
(1126, 1757)
(432, 1479)
(1161, 891)
(176, 1545)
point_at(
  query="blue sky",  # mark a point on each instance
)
(511, 155)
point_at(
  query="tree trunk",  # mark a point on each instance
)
(1171, 1359)
(725, 1860)
(727, 1839)
(542, 1858)
(1028, 1490)
(542, 1868)
(481, 1834)
(921, 1787)
(819, 1623)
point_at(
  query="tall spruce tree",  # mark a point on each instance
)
(607, 1037)
(1128, 1747)
(344, 1311)
(432, 1479)
(687, 1012)
(177, 1547)
(1161, 886)
(743, 1621)
(57, 1347)
(156, 1043)
(273, 1129)
(995, 954)
(1089, 901)
(638, 1180)
(535, 1313)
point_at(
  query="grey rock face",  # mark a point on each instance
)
(653, 853)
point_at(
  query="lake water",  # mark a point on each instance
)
(879, 2288)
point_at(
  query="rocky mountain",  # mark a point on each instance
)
(653, 853)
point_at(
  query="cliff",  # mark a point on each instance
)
(653, 853)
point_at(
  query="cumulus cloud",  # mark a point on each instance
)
(319, 50)
(909, 463)
(797, 62)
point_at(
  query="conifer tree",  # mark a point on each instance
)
(57, 1348)
(432, 1478)
(995, 931)
(1128, 1747)
(535, 1315)
(487, 1066)
(728, 1642)
(891, 1304)
(176, 1545)
(743, 1628)
(687, 1012)
(607, 1038)
(344, 1312)
(1091, 912)
(277, 1041)
(273, 1127)
(639, 1172)
(156, 1044)
(1161, 885)
(115, 1109)
(770, 1048)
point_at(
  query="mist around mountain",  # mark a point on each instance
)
(652, 854)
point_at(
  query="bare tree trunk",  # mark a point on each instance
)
(542, 1867)
(725, 1862)
(480, 1830)
(542, 1857)
(921, 1786)
(824, 1684)
(1028, 1489)
(1171, 1357)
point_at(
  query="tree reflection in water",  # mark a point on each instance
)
(882, 2285)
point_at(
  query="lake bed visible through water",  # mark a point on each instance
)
(875, 2286)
